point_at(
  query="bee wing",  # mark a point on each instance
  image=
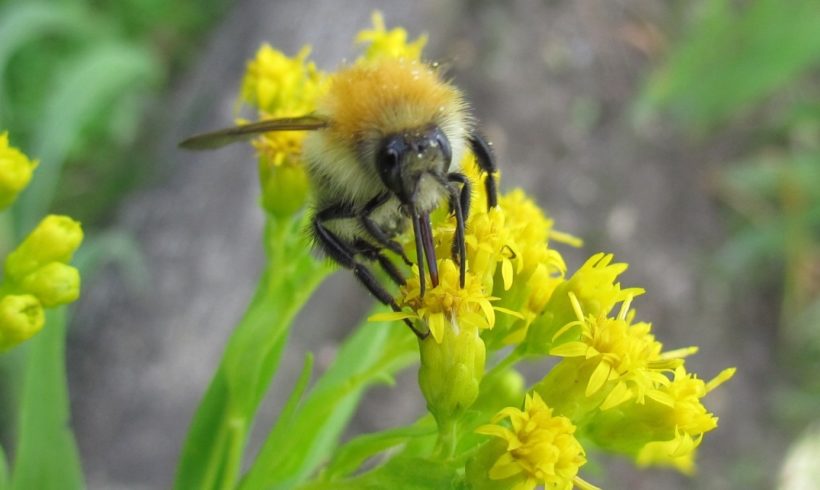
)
(243, 132)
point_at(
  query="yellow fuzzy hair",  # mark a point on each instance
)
(388, 95)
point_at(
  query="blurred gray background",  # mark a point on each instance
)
(551, 83)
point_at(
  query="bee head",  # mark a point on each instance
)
(403, 159)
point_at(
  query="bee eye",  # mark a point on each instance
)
(388, 159)
(444, 146)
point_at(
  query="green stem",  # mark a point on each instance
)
(212, 456)
(236, 442)
(446, 443)
(512, 358)
(212, 466)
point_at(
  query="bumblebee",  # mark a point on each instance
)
(386, 144)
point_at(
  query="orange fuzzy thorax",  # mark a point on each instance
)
(389, 95)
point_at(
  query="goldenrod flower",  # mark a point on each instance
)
(624, 357)
(541, 449)
(15, 171)
(663, 431)
(281, 86)
(452, 356)
(594, 287)
(451, 371)
(389, 44)
(447, 305)
(489, 243)
(529, 223)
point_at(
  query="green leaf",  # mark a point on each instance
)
(4, 470)
(371, 355)
(733, 57)
(97, 78)
(21, 23)
(212, 454)
(46, 457)
(355, 452)
(399, 472)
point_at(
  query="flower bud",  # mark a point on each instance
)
(54, 240)
(53, 284)
(501, 390)
(284, 188)
(15, 171)
(21, 316)
(451, 371)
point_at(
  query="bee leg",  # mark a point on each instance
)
(466, 191)
(372, 253)
(459, 202)
(377, 233)
(486, 161)
(343, 254)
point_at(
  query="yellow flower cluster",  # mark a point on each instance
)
(541, 448)
(389, 44)
(279, 86)
(613, 380)
(36, 273)
(613, 385)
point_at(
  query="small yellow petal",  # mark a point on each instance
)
(508, 311)
(504, 468)
(598, 378)
(507, 273)
(661, 397)
(721, 378)
(619, 394)
(487, 308)
(570, 349)
(389, 316)
(679, 353)
(436, 322)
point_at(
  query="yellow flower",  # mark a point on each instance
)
(281, 86)
(529, 223)
(389, 44)
(541, 449)
(594, 284)
(663, 431)
(489, 243)
(15, 171)
(595, 289)
(447, 305)
(626, 361)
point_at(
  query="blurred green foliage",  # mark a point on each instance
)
(732, 57)
(77, 81)
(77, 78)
(760, 60)
(751, 69)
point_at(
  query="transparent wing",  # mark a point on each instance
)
(217, 139)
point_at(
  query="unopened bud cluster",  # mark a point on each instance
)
(37, 276)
